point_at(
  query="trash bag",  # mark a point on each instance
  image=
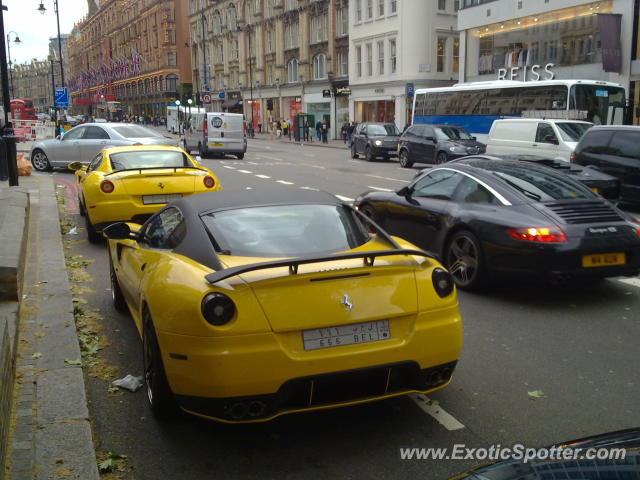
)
(129, 382)
(24, 166)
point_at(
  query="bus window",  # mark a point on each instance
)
(603, 104)
(542, 97)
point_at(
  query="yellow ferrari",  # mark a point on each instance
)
(131, 183)
(254, 304)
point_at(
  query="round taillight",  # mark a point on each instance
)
(442, 282)
(107, 186)
(217, 308)
(209, 182)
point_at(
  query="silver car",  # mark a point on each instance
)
(83, 142)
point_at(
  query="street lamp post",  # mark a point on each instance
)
(7, 131)
(17, 42)
(53, 98)
(41, 8)
(251, 131)
(179, 121)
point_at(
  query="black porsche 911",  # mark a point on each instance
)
(487, 217)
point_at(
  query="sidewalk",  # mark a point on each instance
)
(313, 143)
(50, 433)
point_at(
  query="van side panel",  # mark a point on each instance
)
(511, 137)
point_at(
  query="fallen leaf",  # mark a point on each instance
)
(36, 355)
(536, 394)
(69, 361)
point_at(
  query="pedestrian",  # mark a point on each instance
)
(279, 128)
(343, 132)
(285, 128)
(325, 130)
(350, 129)
(319, 130)
(306, 131)
(259, 127)
(289, 128)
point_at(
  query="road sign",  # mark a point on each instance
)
(221, 95)
(410, 89)
(62, 97)
(206, 98)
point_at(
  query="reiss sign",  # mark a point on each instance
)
(514, 72)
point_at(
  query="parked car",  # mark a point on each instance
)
(262, 293)
(614, 150)
(83, 142)
(218, 133)
(488, 217)
(131, 183)
(436, 144)
(375, 139)
(549, 138)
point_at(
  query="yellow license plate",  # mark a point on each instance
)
(217, 144)
(596, 190)
(604, 260)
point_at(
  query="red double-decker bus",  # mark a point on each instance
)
(22, 109)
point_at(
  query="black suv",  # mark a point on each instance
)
(613, 149)
(436, 144)
(375, 139)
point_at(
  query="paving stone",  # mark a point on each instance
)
(61, 396)
(71, 442)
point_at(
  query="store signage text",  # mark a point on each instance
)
(514, 72)
(117, 69)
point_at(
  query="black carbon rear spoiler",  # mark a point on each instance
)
(293, 263)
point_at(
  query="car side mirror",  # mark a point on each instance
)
(474, 138)
(119, 231)
(431, 139)
(58, 137)
(405, 191)
(76, 166)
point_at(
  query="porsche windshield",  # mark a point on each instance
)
(286, 230)
(148, 159)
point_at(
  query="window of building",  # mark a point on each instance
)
(217, 23)
(171, 59)
(393, 6)
(358, 11)
(369, 9)
(440, 53)
(320, 66)
(342, 17)
(270, 74)
(290, 4)
(369, 48)
(442, 4)
(381, 58)
(456, 54)
(343, 63)
(359, 61)
(392, 55)
(232, 17)
(172, 83)
(269, 35)
(234, 49)
(171, 37)
(291, 35)
(292, 71)
(270, 5)
(381, 8)
(319, 28)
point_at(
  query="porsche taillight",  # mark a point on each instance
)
(209, 182)
(538, 234)
(107, 186)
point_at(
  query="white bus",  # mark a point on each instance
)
(476, 105)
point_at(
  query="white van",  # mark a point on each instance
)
(217, 133)
(552, 138)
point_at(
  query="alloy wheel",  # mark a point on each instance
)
(40, 161)
(463, 259)
(404, 159)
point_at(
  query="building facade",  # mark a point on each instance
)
(54, 54)
(33, 80)
(395, 46)
(272, 60)
(135, 52)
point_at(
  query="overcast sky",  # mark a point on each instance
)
(35, 29)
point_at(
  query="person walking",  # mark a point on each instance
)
(350, 129)
(319, 130)
(278, 129)
(324, 130)
(343, 132)
(285, 128)
(306, 137)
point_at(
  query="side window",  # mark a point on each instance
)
(545, 134)
(428, 132)
(625, 144)
(95, 163)
(96, 133)
(165, 230)
(596, 142)
(74, 134)
(470, 191)
(440, 184)
(363, 130)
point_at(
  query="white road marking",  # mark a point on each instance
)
(436, 411)
(386, 178)
(263, 176)
(355, 161)
(273, 158)
(245, 171)
(381, 189)
(309, 155)
(310, 188)
(630, 281)
(284, 182)
(318, 166)
(249, 188)
(229, 166)
(344, 199)
(253, 163)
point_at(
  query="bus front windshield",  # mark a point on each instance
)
(604, 104)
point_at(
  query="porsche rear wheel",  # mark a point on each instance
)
(464, 260)
(116, 293)
(159, 396)
(92, 234)
(40, 161)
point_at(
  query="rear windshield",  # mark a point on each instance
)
(286, 230)
(572, 132)
(389, 129)
(540, 183)
(134, 131)
(148, 159)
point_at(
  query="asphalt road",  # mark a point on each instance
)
(578, 345)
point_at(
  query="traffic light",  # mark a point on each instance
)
(269, 104)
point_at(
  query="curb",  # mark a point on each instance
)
(51, 437)
(302, 144)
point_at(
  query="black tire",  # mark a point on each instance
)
(239, 156)
(81, 206)
(442, 157)
(404, 159)
(368, 154)
(92, 234)
(159, 395)
(40, 161)
(116, 293)
(464, 259)
(354, 152)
